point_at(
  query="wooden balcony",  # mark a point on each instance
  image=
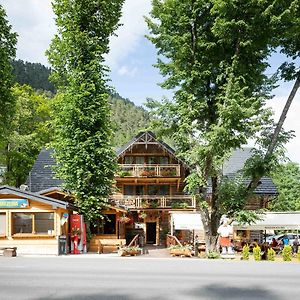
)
(154, 202)
(149, 171)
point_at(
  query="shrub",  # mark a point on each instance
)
(271, 254)
(257, 253)
(245, 252)
(287, 253)
(213, 255)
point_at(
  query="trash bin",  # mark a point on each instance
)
(62, 245)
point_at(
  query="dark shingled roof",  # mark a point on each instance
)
(42, 176)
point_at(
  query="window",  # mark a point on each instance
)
(153, 160)
(33, 223)
(158, 190)
(2, 224)
(128, 190)
(164, 190)
(140, 160)
(128, 160)
(22, 223)
(139, 190)
(44, 222)
(153, 190)
(163, 160)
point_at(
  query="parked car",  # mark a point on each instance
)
(279, 237)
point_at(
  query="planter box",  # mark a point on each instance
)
(181, 252)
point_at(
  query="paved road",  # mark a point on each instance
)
(133, 278)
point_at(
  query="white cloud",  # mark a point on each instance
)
(131, 33)
(292, 122)
(33, 20)
(126, 71)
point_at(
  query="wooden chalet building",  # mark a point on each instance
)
(149, 187)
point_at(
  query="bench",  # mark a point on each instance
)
(9, 251)
(110, 245)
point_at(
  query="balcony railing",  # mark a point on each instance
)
(149, 171)
(148, 201)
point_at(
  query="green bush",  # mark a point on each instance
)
(271, 254)
(257, 253)
(213, 255)
(287, 253)
(245, 252)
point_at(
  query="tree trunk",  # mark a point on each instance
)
(255, 181)
(210, 225)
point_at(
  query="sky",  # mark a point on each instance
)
(131, 57)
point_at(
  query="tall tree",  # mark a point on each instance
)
(27, 133)
(213, 54)
(8, 41)
(82, 144)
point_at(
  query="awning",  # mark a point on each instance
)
(273, 220)
(187, 221)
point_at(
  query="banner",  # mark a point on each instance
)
(14, 203)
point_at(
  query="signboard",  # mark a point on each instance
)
(14, 203)
(64, 218)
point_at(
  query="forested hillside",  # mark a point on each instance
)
(128, 118)
(34, 74)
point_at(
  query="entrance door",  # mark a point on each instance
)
(151, 232)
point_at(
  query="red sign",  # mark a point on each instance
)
(75, 222)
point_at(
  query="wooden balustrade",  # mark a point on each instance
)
(149, 201)
(136, 170)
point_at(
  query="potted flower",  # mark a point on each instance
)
(142, 215)
(123, 219)
(75, 231)
(132, 251)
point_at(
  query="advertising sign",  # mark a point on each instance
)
(14, 203)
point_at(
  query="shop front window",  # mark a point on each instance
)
(33, 223)
(2, 223)
(44, 222)
(22, 223)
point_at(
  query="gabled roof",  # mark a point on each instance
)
(42, 177)
(4, 189)
(148, 137)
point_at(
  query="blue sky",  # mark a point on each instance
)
(131, 57)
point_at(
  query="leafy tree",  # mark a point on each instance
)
(213, 54)
(287, 180)
(27, 133)
(83, 150)
(8, 41)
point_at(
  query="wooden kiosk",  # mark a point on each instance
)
(31, 222)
